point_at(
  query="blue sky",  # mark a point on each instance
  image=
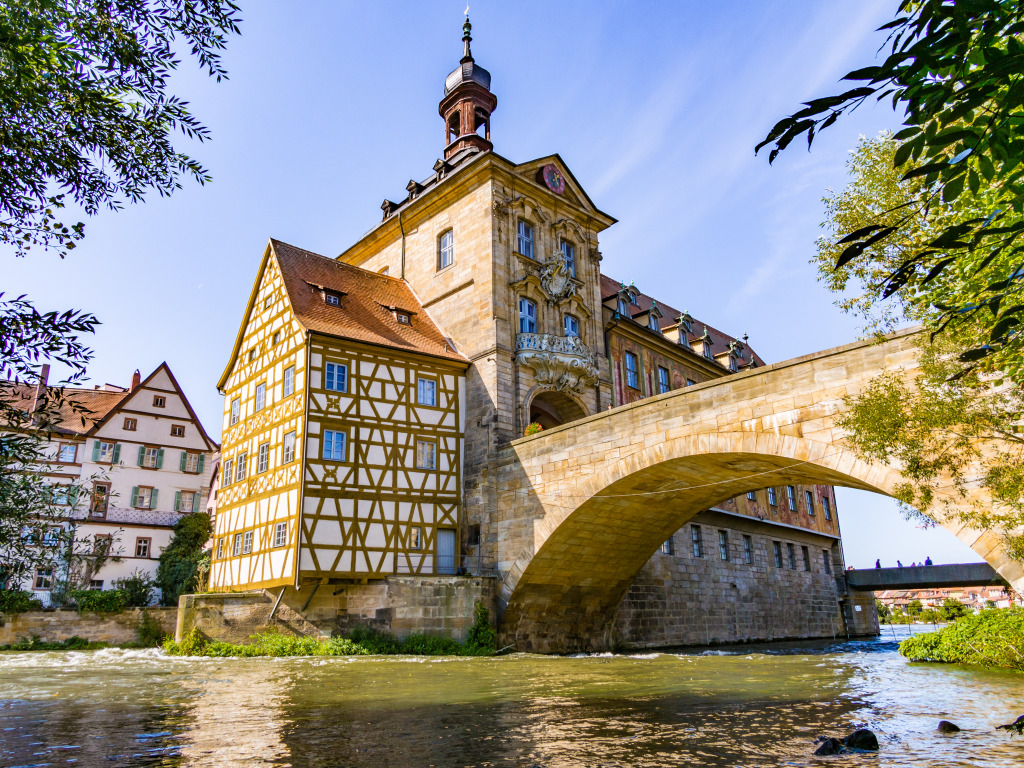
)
(656, 107)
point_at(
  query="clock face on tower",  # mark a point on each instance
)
(553, 178)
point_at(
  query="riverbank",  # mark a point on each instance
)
(992, 638)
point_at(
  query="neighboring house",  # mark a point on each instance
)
(141, 460)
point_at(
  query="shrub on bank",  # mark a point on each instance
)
(18, 601)
(74, 643)
(99, 601)
(992, 638)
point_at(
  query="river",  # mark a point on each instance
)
(749, 707)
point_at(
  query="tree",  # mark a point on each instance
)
(953, 68)
(914, 607)
(88, 115)
(953, 609)
(182, 562)
(883, 611)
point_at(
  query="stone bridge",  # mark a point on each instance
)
(583, 506)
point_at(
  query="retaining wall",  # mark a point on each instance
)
(56, 626)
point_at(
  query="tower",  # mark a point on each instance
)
(467, 103)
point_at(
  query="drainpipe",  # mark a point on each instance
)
(402, 230)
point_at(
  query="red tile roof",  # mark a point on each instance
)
(366, 308)
(77, 410)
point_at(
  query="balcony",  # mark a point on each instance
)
(560, 362)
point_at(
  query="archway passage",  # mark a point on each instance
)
(553, 409)
(583, 506)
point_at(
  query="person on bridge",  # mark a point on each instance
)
(899, 564)
(928, 561)
(878, 563)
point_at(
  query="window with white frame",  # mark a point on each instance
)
(571, 325)
(237, 549)
(51, 536)
(723, 545)
(527, 316)
(236, 410)
(247, 543)
(524, 231)
(826, 505)
(622, 307)
(280, 534)
(130, 425)
(289, 447)
(104, 452)
(632, 371)
(142, 544)
(446, 250)
(220, 547)
(261, 396)
(426, 391)
(697, 541)
(426, 454)
(333, 299)
(569, 254)
(289, 380)
(336, 377)
(748, 549)
(228, 478)
(771, 497)
(809, 497)
(653, 322)
(159, 401)
(144, 497)
(334, 445)
(263, 458)
(242, 465)
(266, 302)
(752, 495)
(663, 383)
(177, 430)
(276, 338)
(791, 497)
(67, 453)
(43, 578)
(191, 463)
(186, 501)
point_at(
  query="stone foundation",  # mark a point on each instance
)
(57, 626)
(401, 605)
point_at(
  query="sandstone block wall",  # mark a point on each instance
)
(56, 626)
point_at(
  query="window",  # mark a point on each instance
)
(242, 461)
(96, 585)
(289, 380)
(666, 547)
(723, 545)
(51, 536)
(826, 561)
(43, 578)
(263, 458)
(220, 547)
(192, 463)
(653, 322)
(733, 364)
(706, 349)
(236, 410)
(748, 549)
(697, 541)
(159, 401)
(130, 425)
(752, 495)
(810, 502)
(143, 497)
(791, 497)
(280, 534)
(186, 501)
(792, 556)
(289, 448)
(690, 382)
(771, 497)
(252, 354)
(333, 299)
(100, 498)
(527, 316)
(261, 396)
(415, 537)
(807, 558)
(473, 535)
(426, 454)
(142, 547)
(106, 453)
(446, 250)
(266, 303)
(632, 374)
(151, 458)
(227, 477)
(622, 307)
(58, 494)
(334, 445)
(569, 254)
(238, 545)
(402, 318)
(663, 385)
(571, 324)
(177, 430)
(336, 377)
(67, 454)
(525, 239)
(827, 506)
(247, 543)
(276, 338)
(426, 391)
(777, 546)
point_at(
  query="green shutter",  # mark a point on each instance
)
(152, 499)
(135, 495)
(202, 457)
(95, 450)
(142, 454)
(184, 458)
(195, 502)
(160, 458)
(117, 453)
(177, 501)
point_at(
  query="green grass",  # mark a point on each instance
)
(992, 638)
(74, 643)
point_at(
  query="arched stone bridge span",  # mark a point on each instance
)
(582, 507)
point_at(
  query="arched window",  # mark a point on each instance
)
(446, 249)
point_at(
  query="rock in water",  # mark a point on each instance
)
(1017, 725)
(828, 746)
(947, 727)
(862, 738)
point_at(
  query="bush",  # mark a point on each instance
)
(18, 601)
(482, 636)
(149, 633)
(992, 638)
(138, 589)
(73, 643)
(179, 562)
(99, 601)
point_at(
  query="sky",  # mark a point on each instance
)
(331, 106)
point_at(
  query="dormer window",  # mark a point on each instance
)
(402, 318)
(653, 323)
(332, 298)
(621, 307)
(707, 352)
(685, 324)
(733, 364)
(633, 298)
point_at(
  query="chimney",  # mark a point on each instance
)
(38, 395)
(136, 380)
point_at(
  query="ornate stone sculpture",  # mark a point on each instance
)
(555, 279)
(559, 362)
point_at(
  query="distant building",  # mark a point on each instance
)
(974, 598)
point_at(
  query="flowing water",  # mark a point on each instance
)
(751, 707)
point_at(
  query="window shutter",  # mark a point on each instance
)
(96, 450)
(117, 453)
(160, 458)
(152, 499)
(202, 456)
(142, 454)
(184, 458)
(195, 501)
(135, 495)
(177, 501)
